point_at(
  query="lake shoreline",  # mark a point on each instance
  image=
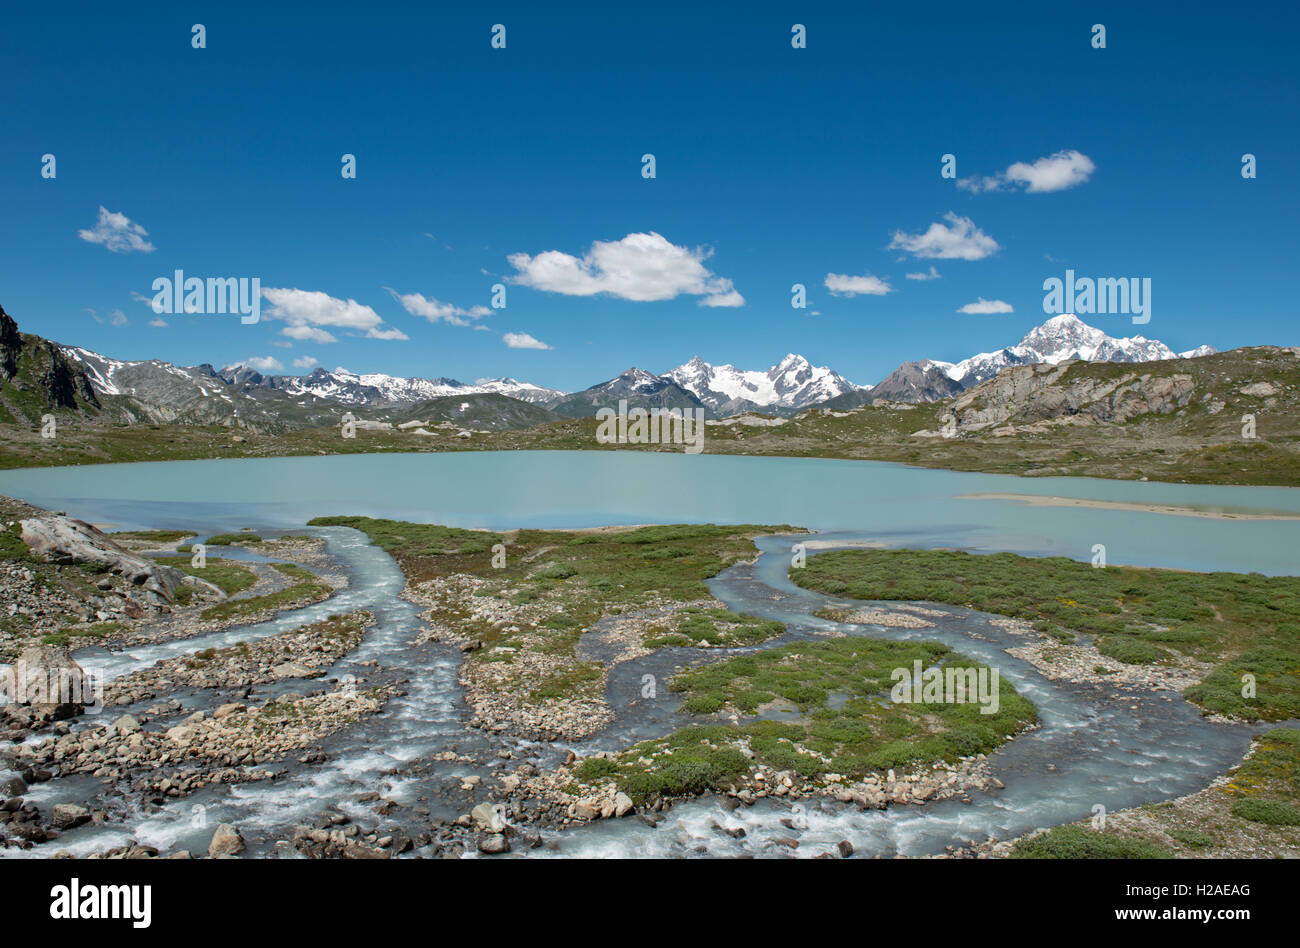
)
(1174, 510)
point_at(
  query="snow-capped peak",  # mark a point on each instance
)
(1058, 339)
(792, 383)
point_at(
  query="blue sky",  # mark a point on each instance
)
(774, 166)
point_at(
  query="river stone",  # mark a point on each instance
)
(126, 724)
(226, 841)
(363, 851)
(180, 734)
(493, 844)
(68, 815)
(487, 816)
(622, 804)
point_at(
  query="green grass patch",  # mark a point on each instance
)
(229, 539)
(228, 576)
(1075, 842)
(1264, 810)
(717, 627)
(1192, 839)
(153, 536)
(100, 630)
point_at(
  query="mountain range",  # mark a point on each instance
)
(1059, 339)
(238, 395)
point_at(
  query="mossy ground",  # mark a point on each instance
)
(1244, 623)
(843, 721)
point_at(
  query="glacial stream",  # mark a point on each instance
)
(1093, 747)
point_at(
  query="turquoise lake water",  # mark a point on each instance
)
(499, 490)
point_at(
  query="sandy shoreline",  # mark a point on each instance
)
(1041, 500)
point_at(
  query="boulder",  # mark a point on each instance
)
(48, 679)
(493, 844)
(226, 841)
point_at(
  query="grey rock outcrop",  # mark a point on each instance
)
(1031, 394)
(68, 541)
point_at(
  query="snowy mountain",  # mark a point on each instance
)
(1061, 338)
(792, 383)
(154, 381)
(349, 388)
(641, 389)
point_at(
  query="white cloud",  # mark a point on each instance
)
(308, 334)
(116, 317)
(729, 299)
(1065, 169)
(303, 309)
(387, 334)
(841, 284)
(987, 306)
(521, 340)
(640, 267)
(932, 275)
(960, 239)
(304, 362)
(158, 322)
(263, 364)
(141, 298)
(117, 232)
(435, 311)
